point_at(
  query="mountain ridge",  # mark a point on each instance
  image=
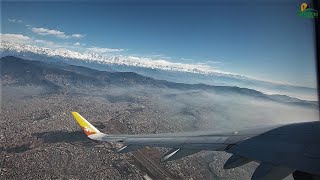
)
(17, 49)
(30, 71)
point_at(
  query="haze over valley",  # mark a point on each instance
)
(37, 98)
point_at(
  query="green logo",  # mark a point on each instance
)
(307, 12)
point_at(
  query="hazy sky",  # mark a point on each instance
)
(264, 39)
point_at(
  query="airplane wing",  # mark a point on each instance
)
(280, 149)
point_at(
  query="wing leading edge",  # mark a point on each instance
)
(246, 146)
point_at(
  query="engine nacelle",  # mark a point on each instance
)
(299, 175)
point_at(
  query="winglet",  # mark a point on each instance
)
(87, 128)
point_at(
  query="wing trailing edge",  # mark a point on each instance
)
(129, 148)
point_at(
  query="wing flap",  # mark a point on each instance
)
(129, 148)
(174, 154)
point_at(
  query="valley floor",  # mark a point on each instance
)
(40, 140)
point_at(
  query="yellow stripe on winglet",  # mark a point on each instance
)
(88, 128)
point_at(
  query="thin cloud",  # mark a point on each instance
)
(11, 20)
(213, 62)
(22, 39)
(77, 35)
(15, 20)
(44, 42)
(19, 38)
(15, 38)
(103, 50)
(44, 32)
(53, 32)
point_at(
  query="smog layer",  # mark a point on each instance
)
(40, 140)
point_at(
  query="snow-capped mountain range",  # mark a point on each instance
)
(111, 59)
(158, 69)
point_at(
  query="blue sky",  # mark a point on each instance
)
(264, 40)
